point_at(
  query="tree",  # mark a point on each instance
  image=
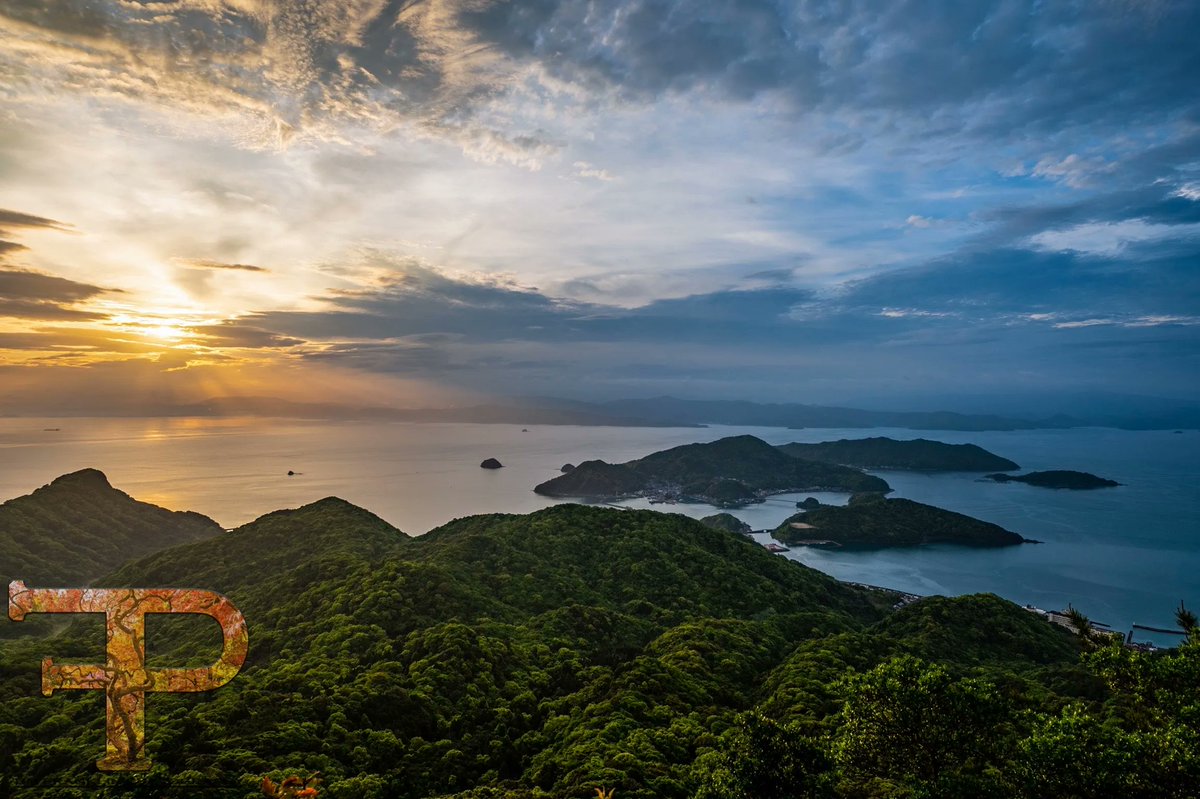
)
(912, 724)
(763, 759)
(1187, 621)
(1083, 627)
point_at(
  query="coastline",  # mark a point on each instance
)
(1125, 554)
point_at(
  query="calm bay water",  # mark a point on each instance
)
(1121, 555)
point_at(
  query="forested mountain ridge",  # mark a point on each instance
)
(79, 527)
(920, 455)
(549, 654)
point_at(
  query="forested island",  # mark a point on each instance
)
(871, 521)
(1058, 478)
(582, 648)
(726, 521)
(728, 472)
(918, 455)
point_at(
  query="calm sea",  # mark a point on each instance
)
(1122, 555)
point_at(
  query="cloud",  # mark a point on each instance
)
(1012, 65)
(241, 336)
(1130, 321)
(585, 170)
(30, 294)
(81, 344)
(640, 195)
(1072, 170)
(43, 310)
(11, 220)
(297, 69)
(1110, 238)
(15, 220)
(26, 293)
(201, 263)
(969, 320)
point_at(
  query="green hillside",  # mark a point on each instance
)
(726, 521)
(730, 471)
(548, 654)
(79, 528)
(918, 455)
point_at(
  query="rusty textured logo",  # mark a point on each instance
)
(123, 676)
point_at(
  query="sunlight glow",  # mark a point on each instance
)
(167, 332)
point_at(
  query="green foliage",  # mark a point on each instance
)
(912, 724)
(763, 759)
(79, 528)
(726, 521)
(1187, 621)
(548, 655)
(920, 455)
(728, 471)
(978, 630)
(870, 522)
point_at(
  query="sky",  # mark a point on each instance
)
(427, 203)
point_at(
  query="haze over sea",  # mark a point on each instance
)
(1122, 555)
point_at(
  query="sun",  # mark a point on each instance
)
(167, 329)
(170, 331)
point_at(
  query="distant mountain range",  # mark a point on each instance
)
(1127, 413)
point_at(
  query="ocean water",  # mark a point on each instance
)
(1122, 555)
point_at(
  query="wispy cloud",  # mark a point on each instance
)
(201, 263)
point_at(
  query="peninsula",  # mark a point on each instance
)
(870, 521)
(1057, 478)
(918, 455)
(727, 473)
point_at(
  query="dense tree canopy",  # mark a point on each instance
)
(578, 648)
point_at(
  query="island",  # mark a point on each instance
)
(726, 521)
(871, 521)
(1057, 478)
(918, 455)
(729, 472)
(491, 463)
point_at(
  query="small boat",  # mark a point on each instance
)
(775, 547)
